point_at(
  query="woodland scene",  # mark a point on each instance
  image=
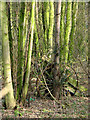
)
(44, 59)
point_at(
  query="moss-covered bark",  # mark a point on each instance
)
(14, 12)
(46, 23)
(74, 15)
(37, 53)
(68, 30)
(27, 74)
(51, 26)
(10, 101)
(62, 30)
(40, 29)
(10, 35)
(20, 50)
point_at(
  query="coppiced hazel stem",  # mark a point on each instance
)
(10, 101)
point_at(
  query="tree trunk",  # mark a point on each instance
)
(0, 59)
(56, 82)
(20, 51)
(62, 30)
(51, 26)
(14, 29)
(10, 101)
(74, 15)
(68, 30)
(40, 29)
(46, 23)
(10, 36)
(27, 74)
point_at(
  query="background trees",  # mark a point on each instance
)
(42, 43)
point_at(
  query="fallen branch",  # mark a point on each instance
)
(76, 88)
(48, 89)
(5, 91)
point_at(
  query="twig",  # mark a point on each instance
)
(49, 90)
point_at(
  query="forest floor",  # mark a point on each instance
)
(70, 107)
